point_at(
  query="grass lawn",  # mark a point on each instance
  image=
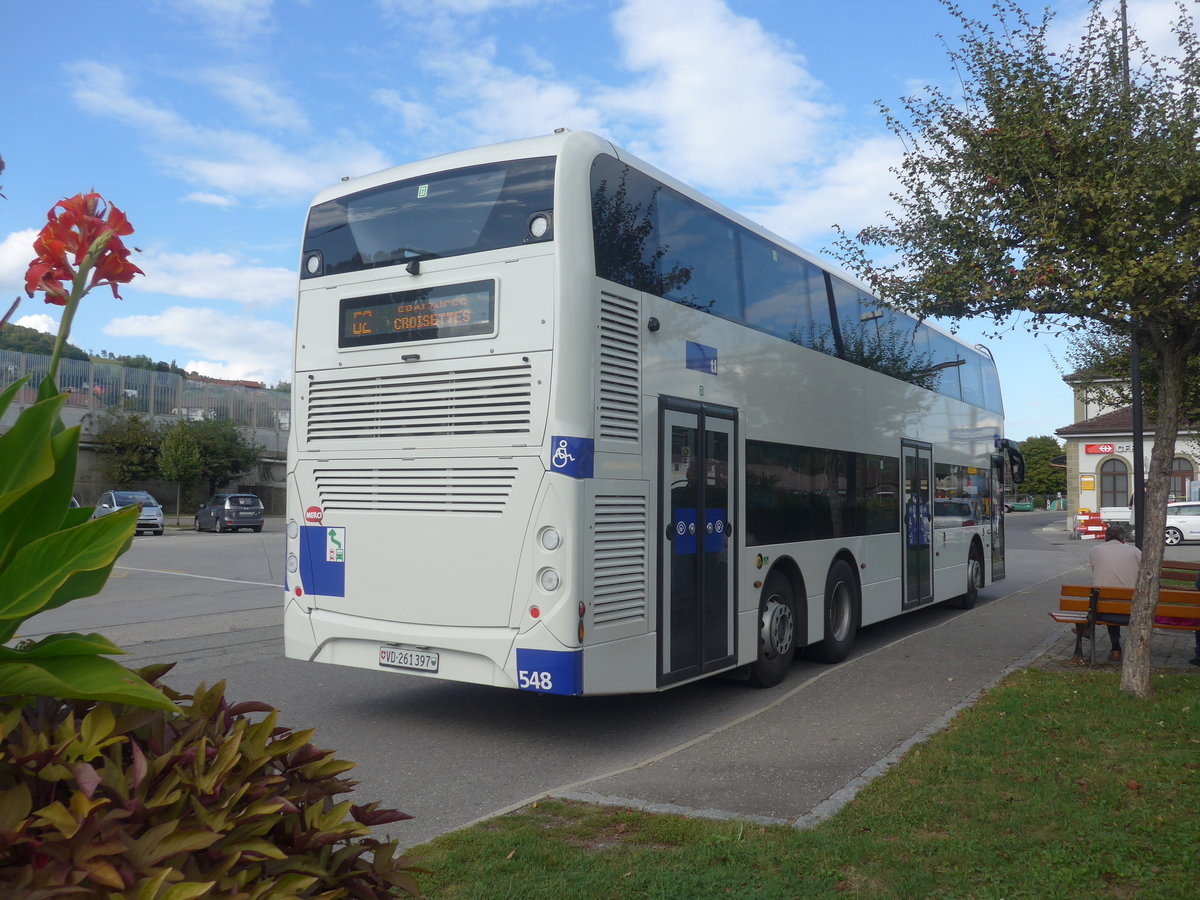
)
(1053, 785)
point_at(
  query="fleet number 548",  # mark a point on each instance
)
(534, 681)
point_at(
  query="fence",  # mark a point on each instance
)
(97, 386)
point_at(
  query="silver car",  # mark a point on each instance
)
(149, 519)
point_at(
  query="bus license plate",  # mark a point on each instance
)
(403, 658)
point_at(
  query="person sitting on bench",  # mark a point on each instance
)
(1114, 564)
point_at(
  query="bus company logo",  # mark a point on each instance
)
(314, 514)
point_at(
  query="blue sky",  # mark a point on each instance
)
(212, 123)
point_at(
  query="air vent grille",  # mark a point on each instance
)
(620, 371)
(456, 402)
(619, 560)
(460, 489)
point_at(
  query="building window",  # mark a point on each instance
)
(1181, 473)
(1114, 483)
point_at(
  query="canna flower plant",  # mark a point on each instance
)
(51, 553)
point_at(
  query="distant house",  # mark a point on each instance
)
(1099, 451)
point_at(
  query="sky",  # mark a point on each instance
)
(212, 123)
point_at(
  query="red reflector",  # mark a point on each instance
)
(299, 591)
(534, 611)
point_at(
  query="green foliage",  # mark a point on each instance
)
(1041, 476)
(128, 447)
(204, 801)
(224, 451)
(30, 340)
(51, 554)
(139, 361)
(1063, 185)
(1101, 362)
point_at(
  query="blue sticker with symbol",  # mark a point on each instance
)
(323, 560)
(702, 358)
(550, 671)
(572, 456)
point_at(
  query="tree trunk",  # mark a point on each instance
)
(1135, 668)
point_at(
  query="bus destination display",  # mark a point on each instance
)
(447, 311)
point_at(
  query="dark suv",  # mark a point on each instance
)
(230, 512)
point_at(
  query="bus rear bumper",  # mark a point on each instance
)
(475, 655)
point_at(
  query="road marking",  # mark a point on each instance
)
(204, 577)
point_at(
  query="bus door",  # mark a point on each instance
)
(998, 502)
(696, 572)
(918, 532)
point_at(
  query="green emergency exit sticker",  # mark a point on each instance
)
(422, 191)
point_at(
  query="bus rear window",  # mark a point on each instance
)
(445, 214)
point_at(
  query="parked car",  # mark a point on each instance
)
(230, 512)
(1183, 523)
(149, 519)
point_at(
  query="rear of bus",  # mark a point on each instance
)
(442, 419)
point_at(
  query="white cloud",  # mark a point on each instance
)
(231, 346)
(235, 22)
(210, 199)
(259, 101)
(40, 321)
(16, 252)
(724, 101)
(852, 192)
(237, 164)
(208, 275)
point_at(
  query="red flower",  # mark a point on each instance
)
(80, 227)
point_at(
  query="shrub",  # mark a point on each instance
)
(101, 799)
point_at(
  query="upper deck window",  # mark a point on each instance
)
(444, 214)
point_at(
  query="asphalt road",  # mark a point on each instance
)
(450, 754)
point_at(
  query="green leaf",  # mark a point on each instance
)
(7, 395)
(25, 454)
(72, 644)
(79, 678)
(41, 568)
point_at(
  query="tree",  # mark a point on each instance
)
(179, 460)
(30, 340)
(1041, 475)
(1064, 185)
(127, 445)
(224, 452)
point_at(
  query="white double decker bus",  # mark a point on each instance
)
(565, 425)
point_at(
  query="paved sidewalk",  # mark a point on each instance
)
(1170, 651)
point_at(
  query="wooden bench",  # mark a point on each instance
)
(1087, 605)
(1177, 573)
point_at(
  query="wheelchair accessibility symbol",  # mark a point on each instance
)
(562, 456)
(572, 456)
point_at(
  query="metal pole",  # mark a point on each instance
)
(1135, 356)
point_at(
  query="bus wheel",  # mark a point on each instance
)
(974, 580)
(842, 614)
(776, 632)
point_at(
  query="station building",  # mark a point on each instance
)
(1099, 451)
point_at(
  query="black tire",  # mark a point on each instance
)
(974, 580)
(256, 529)
(776, 632)
(159, 532)
(220, 527)
(1172, 537)
(843, 612)
(196, 523)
